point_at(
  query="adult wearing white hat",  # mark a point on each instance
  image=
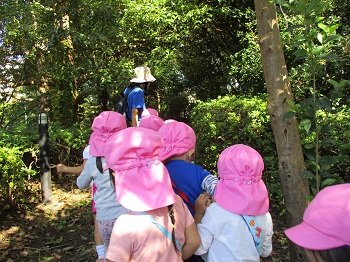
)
(136, 98)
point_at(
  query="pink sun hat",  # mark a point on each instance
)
(151, 122)
(142, 182)
(178, 138)
(149, 112)
(104, 125)
(240, 189)
(326, 221)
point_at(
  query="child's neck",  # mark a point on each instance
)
(180, 157)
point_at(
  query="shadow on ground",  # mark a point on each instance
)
(60, 231)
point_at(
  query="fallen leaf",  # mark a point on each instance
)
(83, 238)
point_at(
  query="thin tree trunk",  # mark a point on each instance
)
(290, 156)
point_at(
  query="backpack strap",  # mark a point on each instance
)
(256, 231)
(183, 196)
(126, 101)
(161, 228)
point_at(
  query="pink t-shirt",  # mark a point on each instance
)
(136, 238)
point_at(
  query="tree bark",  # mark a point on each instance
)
(290, 156)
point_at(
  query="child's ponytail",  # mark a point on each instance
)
(172, 217)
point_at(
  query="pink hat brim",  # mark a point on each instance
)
(242, 199)
(144, 188)
(97, 146)
(308, 237)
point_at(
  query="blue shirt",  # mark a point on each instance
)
(191, 180)
(136, 99)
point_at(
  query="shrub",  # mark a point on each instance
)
(14, 173)
(233, 120)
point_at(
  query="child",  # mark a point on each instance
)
(238, 226)
(107, 207)
(61, 168)
(158, 226)
(325, 230)
(188, 180)
(151, 122)
(149, 112)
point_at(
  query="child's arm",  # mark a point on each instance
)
(61, 168)
(267, 244)
(192, 241)
(209, 184)
(202, 202)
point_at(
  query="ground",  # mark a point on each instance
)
(63, 230)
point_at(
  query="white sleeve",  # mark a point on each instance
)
(267, 244)
(206, 230)
(209, 184)
(86, 154)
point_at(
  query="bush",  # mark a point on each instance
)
(14, 173)
(233, 120)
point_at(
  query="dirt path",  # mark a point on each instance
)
(63, 230)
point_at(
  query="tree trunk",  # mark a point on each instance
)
(290, 156)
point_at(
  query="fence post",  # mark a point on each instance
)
(45, 171)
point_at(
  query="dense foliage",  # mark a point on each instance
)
(233, 120)
(71, 59)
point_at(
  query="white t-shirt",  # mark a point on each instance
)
(225, 236)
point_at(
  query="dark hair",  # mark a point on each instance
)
(338, 254)
(100, 168)
(111, 177)
(99, 164)
(172, 217)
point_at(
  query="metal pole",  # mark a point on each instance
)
(45, 171)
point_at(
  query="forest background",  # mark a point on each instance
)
(72, 59)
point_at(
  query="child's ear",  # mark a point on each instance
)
(191, 154)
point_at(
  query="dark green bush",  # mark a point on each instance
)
(14, 173)
(233, 120)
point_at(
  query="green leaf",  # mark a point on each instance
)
(310, 157)
(312, 5)
(333, 28)
(332, 38)
(288, 115)
(293, 27)
(277, 2)
(318, 19)
(301, 7)
(290, 102)
(306, 124)
(48, 258)
(324, 27)
(329, 57)
(326, 103)
(326, 129)
(310, 198)
(300, 52)
(307, 174)
(328, 182)
(338, 85)
(318, 50)
(327, 161)
(309, 146)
